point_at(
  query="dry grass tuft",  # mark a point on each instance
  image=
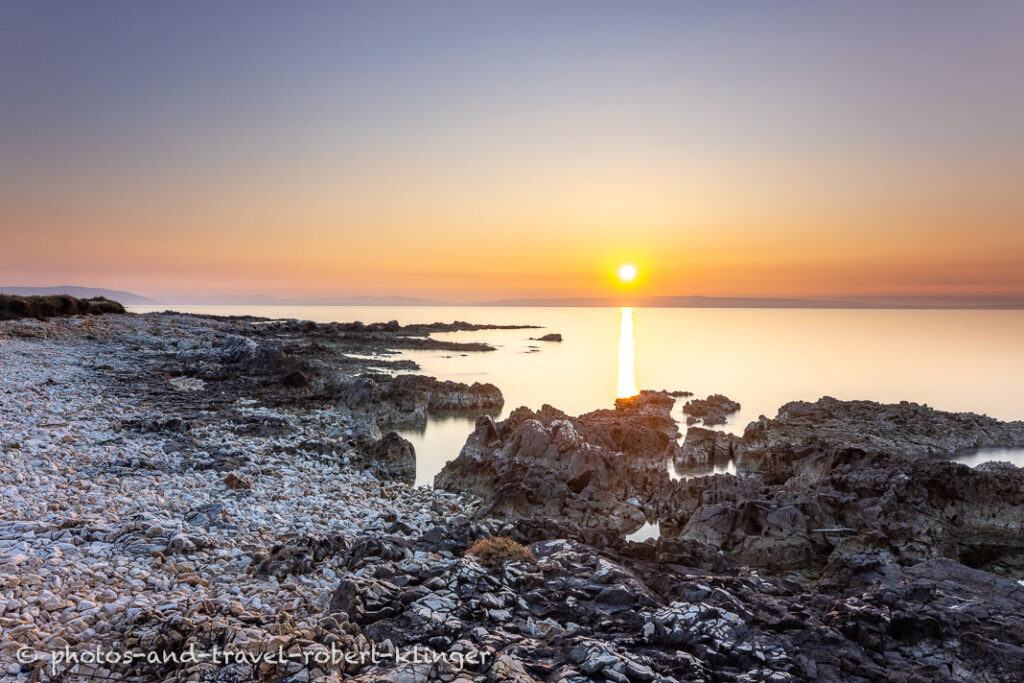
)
(498, 551)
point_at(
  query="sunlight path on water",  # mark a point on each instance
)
(627, 356)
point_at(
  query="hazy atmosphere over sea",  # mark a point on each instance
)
(511, 341)
(468, 152)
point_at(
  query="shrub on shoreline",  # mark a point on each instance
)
(54, 305)
(497, 551)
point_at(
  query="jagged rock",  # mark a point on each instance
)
(359, 392)
(606, 470)
(594, 469)
(300, 556)
(712, 410)
(125, 538)
(173, 425)
(507, 669)
(365, 547)
(262, 425)
(904, 428)
(295, 378)
(438, 395)
(407, 399)
(242, 356)
(393, 457)
(852, 572)
(208, 516)
(345, 598)
(816, 502)
(705, 448)
(679, 393)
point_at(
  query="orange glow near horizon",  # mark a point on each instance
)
(354, 150)
(558, 241)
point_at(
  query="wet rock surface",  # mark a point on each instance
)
(828, 559)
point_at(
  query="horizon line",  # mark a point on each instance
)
(878, 301)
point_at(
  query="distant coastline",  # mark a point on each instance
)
(896, 302)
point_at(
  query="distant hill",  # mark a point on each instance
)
(80, 293)
(948, 301)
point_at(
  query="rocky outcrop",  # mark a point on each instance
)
(408, 399)
(713, 410)
(441, 396)
(606, 609)
(595, 470)
(832, 502)
(829, 478)
(120, 534)
(301, 555)
(798, 506)
(290, 362)
(392, 327)
(553, 337)
(244, 360)
(678, 393)
(393, 457)
(904, 428)
(705, 448)
(380, 336)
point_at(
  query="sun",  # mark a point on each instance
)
(627, 272)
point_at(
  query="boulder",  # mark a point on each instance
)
(393, 457)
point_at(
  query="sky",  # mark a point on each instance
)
(468, 150)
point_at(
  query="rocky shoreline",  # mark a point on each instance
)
(182, 483)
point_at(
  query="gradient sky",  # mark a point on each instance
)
(468, 150)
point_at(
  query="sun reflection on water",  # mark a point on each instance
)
(627, 356)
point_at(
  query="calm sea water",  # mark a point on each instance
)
(951, 360)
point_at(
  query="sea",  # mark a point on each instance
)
(957, 360)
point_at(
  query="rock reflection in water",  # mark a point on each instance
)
(1014, 456)
(680, 473)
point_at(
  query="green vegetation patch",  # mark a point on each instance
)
(54, 305)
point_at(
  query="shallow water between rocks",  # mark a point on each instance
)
(957, 360)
